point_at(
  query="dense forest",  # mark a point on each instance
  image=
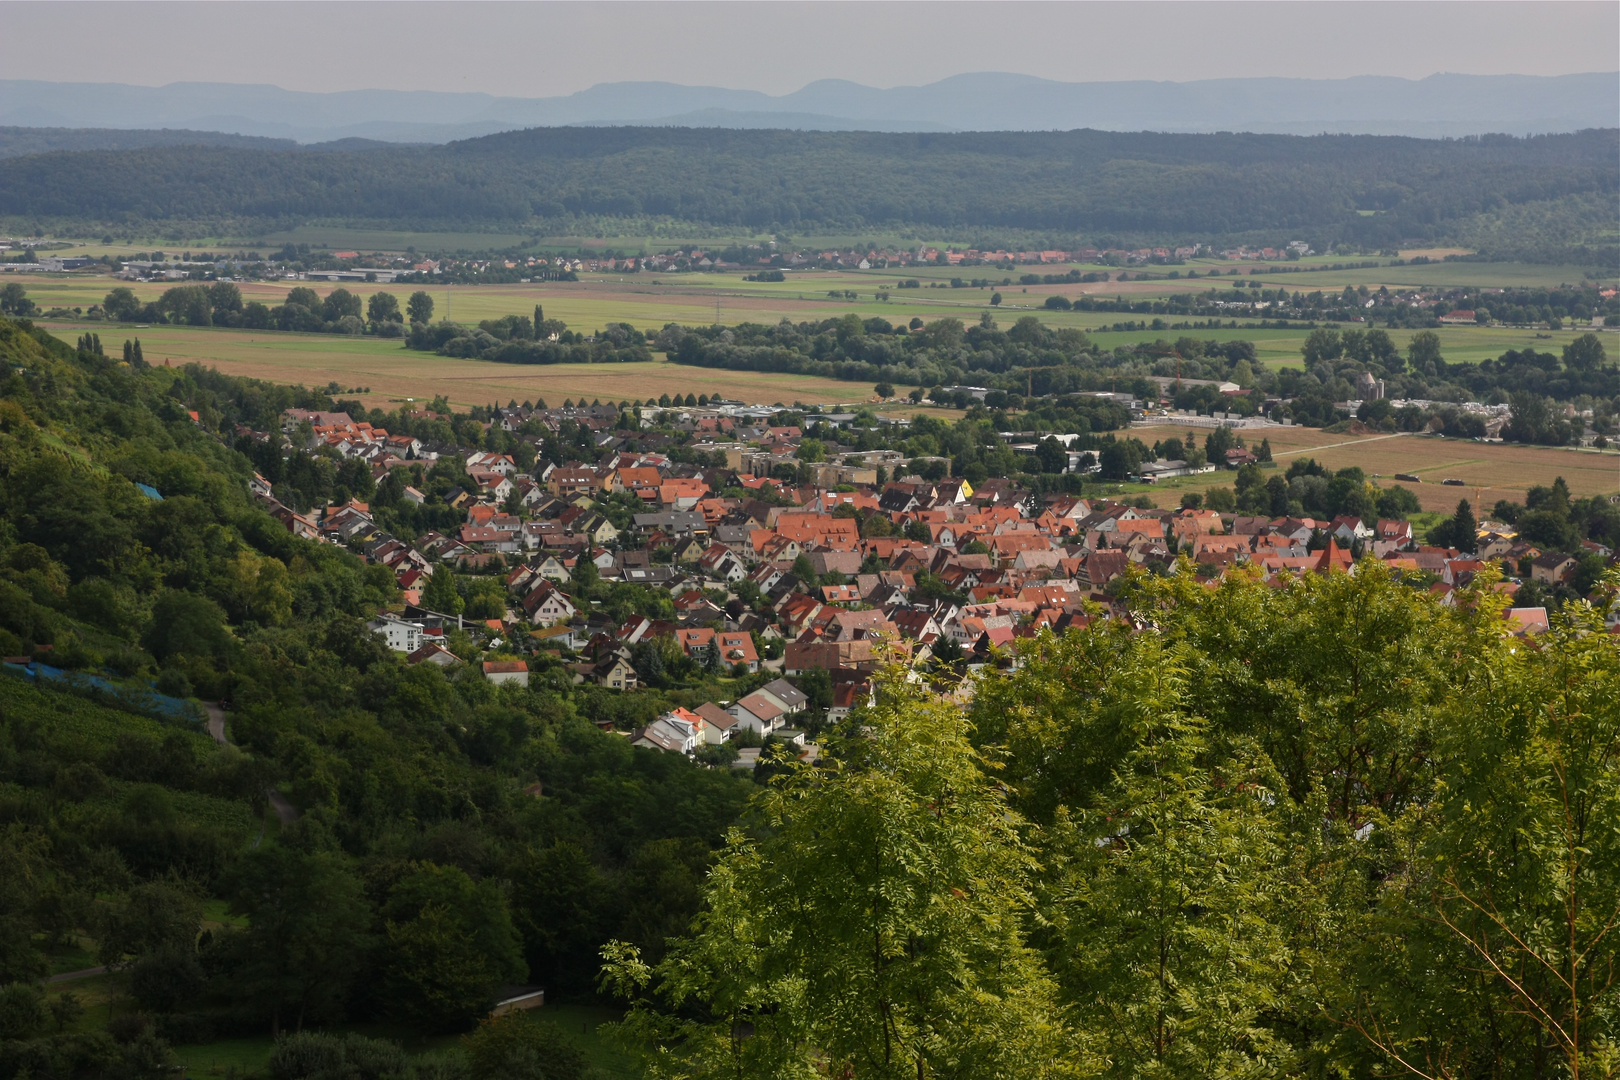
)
(1544, 196)
(22, 141)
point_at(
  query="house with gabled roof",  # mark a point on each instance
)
(1347, 529)
(1332, 558)
(717, 723)
(677, 731)
(757, 712)
(612, 670)
(721, 563)
(737, 648)
(698, 643)
(507, 671)
(796, 612)
(547, 605)
(1553, 568)
(433, 653)
(789, 698)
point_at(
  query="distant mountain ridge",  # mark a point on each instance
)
(1437, 106)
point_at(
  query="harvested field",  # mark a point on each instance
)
(394, 373)
(1489, 471)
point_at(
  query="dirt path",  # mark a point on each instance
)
(286, 811)
(216, 721)
(1349, 442)
(85, 974)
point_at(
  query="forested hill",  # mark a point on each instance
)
(1100, 186)
(22, 141)
(116, 826)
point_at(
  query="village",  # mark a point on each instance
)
(781, 568)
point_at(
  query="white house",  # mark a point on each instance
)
(757, 713)
(507, 671)
(786, 696)
(677, 732)
(401, 636)
(717, 723)
(547, 606)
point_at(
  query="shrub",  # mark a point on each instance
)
(521, 1046)
(22, 1011)
(311, 1055)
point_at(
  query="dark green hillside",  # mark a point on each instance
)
(1101, 186)
(416, 851)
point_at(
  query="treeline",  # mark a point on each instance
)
(519, 339)
(875, 350)
(304, 309)
(1110, 188)
(1030, 361)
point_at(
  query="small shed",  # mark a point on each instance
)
(511, 999)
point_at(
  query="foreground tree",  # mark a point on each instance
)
(1508, 910)
(874, 927)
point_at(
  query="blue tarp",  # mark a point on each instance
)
(148, 701)
(149, 491)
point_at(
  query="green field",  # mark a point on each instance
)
(648, 301)
(582, 1023)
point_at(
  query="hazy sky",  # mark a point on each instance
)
(539, 49)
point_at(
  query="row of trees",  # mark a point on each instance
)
(221, 304)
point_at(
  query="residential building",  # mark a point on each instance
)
(507, 671)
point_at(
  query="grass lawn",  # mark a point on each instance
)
(225, 1057)
(394, 374)
(581, 1023)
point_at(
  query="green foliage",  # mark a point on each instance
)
(22, 1011)
(1293, 830)
(522, 1046)
(440, 593)
(309, 1055)
(112, 824)
(877, 922)
(151, 918)
(308, 931)
(1459, 531)
(450, 944)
